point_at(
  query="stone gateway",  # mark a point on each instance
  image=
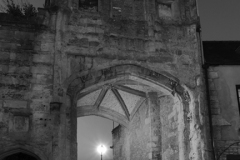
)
(136, 62)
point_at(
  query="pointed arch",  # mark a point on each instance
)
(114, 78)
(35, 154)
(91, 89)
(86, 79)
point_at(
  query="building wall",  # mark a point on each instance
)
(26, 52)
(224, 108)
(74, 43)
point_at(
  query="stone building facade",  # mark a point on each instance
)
(137, 62)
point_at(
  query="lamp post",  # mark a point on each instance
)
(101, 150)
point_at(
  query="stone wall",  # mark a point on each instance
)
(119, 146)
(134, 142)
(26, 71)
(40, 65)
(164, 45)
(169, 123)
(154, 132)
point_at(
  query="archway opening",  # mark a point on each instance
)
(20, 156)
(148, 117)
(93, 131)
(149, 107)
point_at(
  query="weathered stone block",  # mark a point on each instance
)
(42, 58)
(41, 79)
(4, 56)
(42, 69)
(41, 87)
(45, 37)
(42, 94)
(24, 35)
(99, 30)
(90, 29)
(93, 44)
(4, 68)
(12, 56)
(47, 47)
(5, 34)
(13, 103)
(39, 105)
(16, 69)
(21, 124)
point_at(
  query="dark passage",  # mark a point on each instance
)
(20, 156)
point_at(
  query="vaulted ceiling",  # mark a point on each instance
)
(121, 98)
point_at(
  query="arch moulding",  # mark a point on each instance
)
(82, 80)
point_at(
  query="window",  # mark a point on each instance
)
(88, 5)
(233, 157)
(238, 96)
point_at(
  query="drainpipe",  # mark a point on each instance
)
(205, 69)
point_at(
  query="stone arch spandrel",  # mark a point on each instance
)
(84, 79)
(106, 66)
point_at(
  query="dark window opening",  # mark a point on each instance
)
(233, 157)
(238, 96)
(89, 5)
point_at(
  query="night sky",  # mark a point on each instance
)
(92, 131)
(219, 20)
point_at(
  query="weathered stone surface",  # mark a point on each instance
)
(13, 103)
(147, 56)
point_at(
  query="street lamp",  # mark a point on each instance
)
(101, 150)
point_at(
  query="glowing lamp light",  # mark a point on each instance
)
(101, 149)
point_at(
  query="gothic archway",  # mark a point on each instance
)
(119, 92)
(19, 154)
